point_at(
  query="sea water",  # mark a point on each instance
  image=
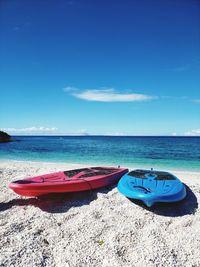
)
(169, 153)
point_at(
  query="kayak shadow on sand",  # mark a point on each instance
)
(186, 206)
(57, 202)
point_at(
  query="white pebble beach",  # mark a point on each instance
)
(95, 229)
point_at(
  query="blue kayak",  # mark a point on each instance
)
(152, 186)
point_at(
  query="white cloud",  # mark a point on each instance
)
(80, 132)
(114, 134)
(108, 95)
(70, 89)
(42, 131)
(31, 130)
(195, 132)
(187, 66)
(196, 101)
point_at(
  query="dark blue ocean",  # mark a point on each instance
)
(171, 153)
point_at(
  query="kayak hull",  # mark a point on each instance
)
(152, 187)
(68, 181)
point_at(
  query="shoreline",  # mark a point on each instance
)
(99, 228)
(83, 165)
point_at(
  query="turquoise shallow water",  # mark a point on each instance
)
(173, 153)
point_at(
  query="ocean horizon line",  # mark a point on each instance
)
(102, 135)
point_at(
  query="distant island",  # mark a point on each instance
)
(4, 137)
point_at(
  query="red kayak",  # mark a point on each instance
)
(67, 181)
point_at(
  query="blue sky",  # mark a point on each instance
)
(100, 67)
